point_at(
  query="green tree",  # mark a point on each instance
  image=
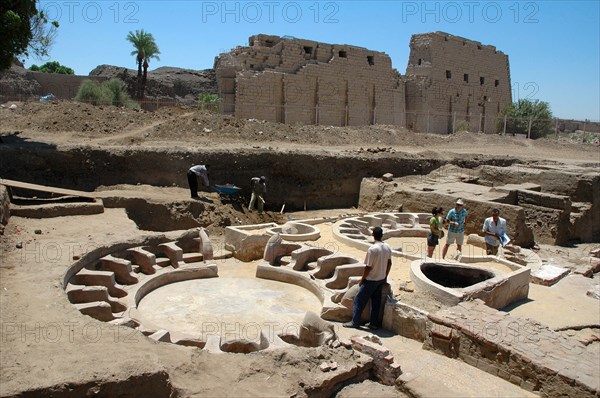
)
(151, 52)
(52, 67)
(94, 93)
(119, 94)
(209, 101)
(23, 30)
(520, 114)
(110, 92)
(145, 48)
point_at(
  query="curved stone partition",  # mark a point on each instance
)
(109, 284)
(356, 231)
(329, 276)
(496, 289)
(296, 231)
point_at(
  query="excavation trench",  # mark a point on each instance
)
(298, 179)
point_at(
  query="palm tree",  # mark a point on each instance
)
(152, 51)
(145, 48)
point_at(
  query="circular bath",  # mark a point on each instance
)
(446, 281)
(455, 276)
(296, 231)
(237, 309)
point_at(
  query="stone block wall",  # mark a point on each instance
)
(570, 126)
(567, 208)
(62, 86)
(307, 82)
(519, 350)
(450, 79)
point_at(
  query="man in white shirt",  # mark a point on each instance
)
(200, 171)
(378, 264)
(494, 227)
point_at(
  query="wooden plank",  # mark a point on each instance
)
(43, 188)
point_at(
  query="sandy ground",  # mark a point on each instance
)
(65, 123)
(47, 344)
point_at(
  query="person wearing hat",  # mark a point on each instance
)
(456, 220)
(200, 171)
(258, 185)
(378, 264)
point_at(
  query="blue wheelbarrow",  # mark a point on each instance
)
(228, 189)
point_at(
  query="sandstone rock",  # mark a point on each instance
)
(548, 274)
(594, 292)
(325, 367)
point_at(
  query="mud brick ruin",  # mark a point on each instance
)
(289, 80)
(303, 81)
(451, 78)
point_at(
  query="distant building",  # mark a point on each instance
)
(448, 80)
(302, 81)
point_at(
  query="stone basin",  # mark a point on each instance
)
(452, 283)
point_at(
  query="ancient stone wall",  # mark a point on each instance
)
(62, 86)
(519, 350)
(451, 80)
(570, 126)
(307, 82)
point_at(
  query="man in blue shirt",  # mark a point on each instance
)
(456, 220)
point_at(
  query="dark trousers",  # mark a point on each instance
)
(193, 182)
(368, 290)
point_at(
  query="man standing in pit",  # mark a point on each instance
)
(494, 228)
(259, 189)
(200, 171)
(378, 265)
(456, 220)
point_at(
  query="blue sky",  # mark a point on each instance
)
(553, 46)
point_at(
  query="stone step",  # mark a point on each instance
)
(99, 278)
(143, 258)
(78, 294)
(305, 255)
(174, 252)
(163, 261)
(121, 268)
(161, 335)
(88, 294)
(342, 274)
(192, 257)
(99, 310)
(328, 264)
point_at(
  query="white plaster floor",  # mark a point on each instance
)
(235, 305)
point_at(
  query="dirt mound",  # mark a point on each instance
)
(81, 119)
(166, 83)
(66, 122)
(14, 83)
